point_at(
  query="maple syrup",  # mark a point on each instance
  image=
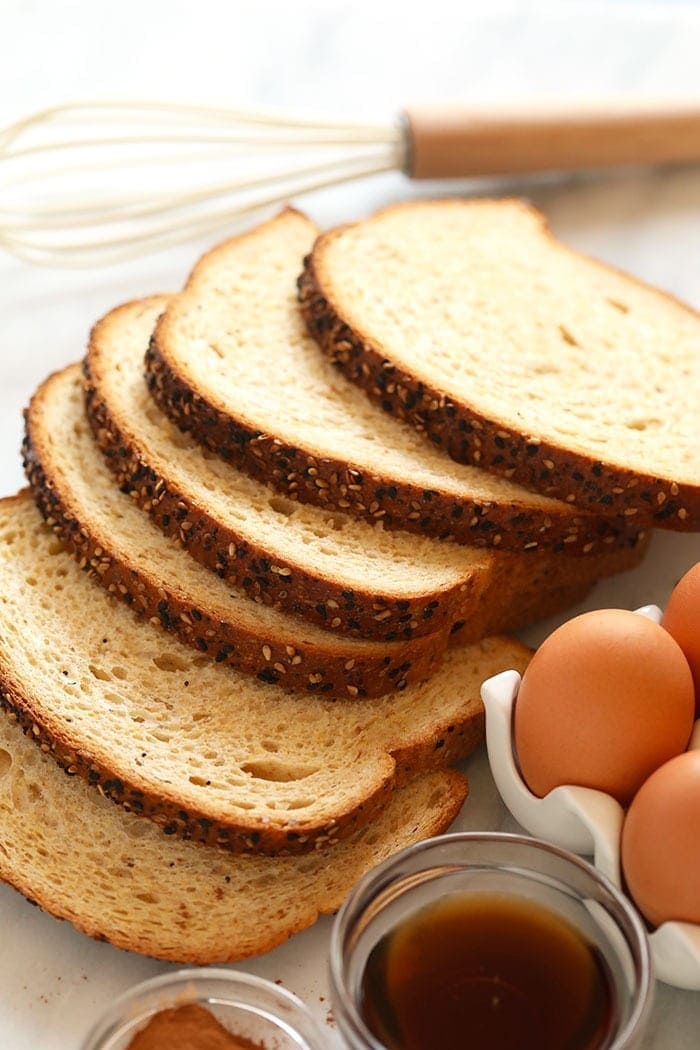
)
(487, 972)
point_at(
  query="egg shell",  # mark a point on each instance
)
(682, 621)
(606, 700)
(661, 843)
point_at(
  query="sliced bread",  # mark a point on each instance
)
(124, 550)
(117, 878)
(231, 362)
(338, 572)
(510, 351)
(334, 570)
(203, 751)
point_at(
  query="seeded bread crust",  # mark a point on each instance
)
(452, 744)
(643, 500)
(334, 664)
(387, 745)
(117, 879)
(329, 482)
(277, 583)
(310, 474)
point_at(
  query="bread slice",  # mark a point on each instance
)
(124, 551)
(338, 572)
(116, 877)
(235, 334)
(510, 351)
(334, 570)
(199, 749)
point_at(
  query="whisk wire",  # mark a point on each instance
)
(161, 155)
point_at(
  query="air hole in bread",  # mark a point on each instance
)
(567, 336)
(278, 772)
(99, 673)
(168, 662)
(55, 547)
(642, 424)
(5, 763)
(282, 506)
(546, 369)
(136, 828)
(270, 745)
(617, 305)
(159, 734)
(120, 672)
(200, 781)
(147, 898)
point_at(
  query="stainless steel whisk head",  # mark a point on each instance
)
(94, 183)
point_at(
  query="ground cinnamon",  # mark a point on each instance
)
(189, 1027)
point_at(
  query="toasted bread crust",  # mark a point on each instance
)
(634, 501)
(340, 668)
(262, 574)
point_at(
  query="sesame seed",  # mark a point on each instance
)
(267, 652)
(630, 512)
(674, 489)
(682, 513)
(352, 689)
(349, 665)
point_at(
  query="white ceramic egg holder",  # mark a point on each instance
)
(581, 820)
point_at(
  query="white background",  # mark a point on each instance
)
(363, 58)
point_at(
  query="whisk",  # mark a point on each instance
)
(100, 182)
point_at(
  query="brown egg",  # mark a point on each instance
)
(661, 843)
(606, 700)
(682, 621)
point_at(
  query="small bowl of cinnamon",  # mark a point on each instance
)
(206, 1009)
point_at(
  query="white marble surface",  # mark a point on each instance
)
(347, 58)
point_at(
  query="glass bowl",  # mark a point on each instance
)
(248, 1006)
(492, 864)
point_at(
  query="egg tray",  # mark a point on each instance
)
(582, 820)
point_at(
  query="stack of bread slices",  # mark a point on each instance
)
(248, 612)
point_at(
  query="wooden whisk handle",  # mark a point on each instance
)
(458, 141)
